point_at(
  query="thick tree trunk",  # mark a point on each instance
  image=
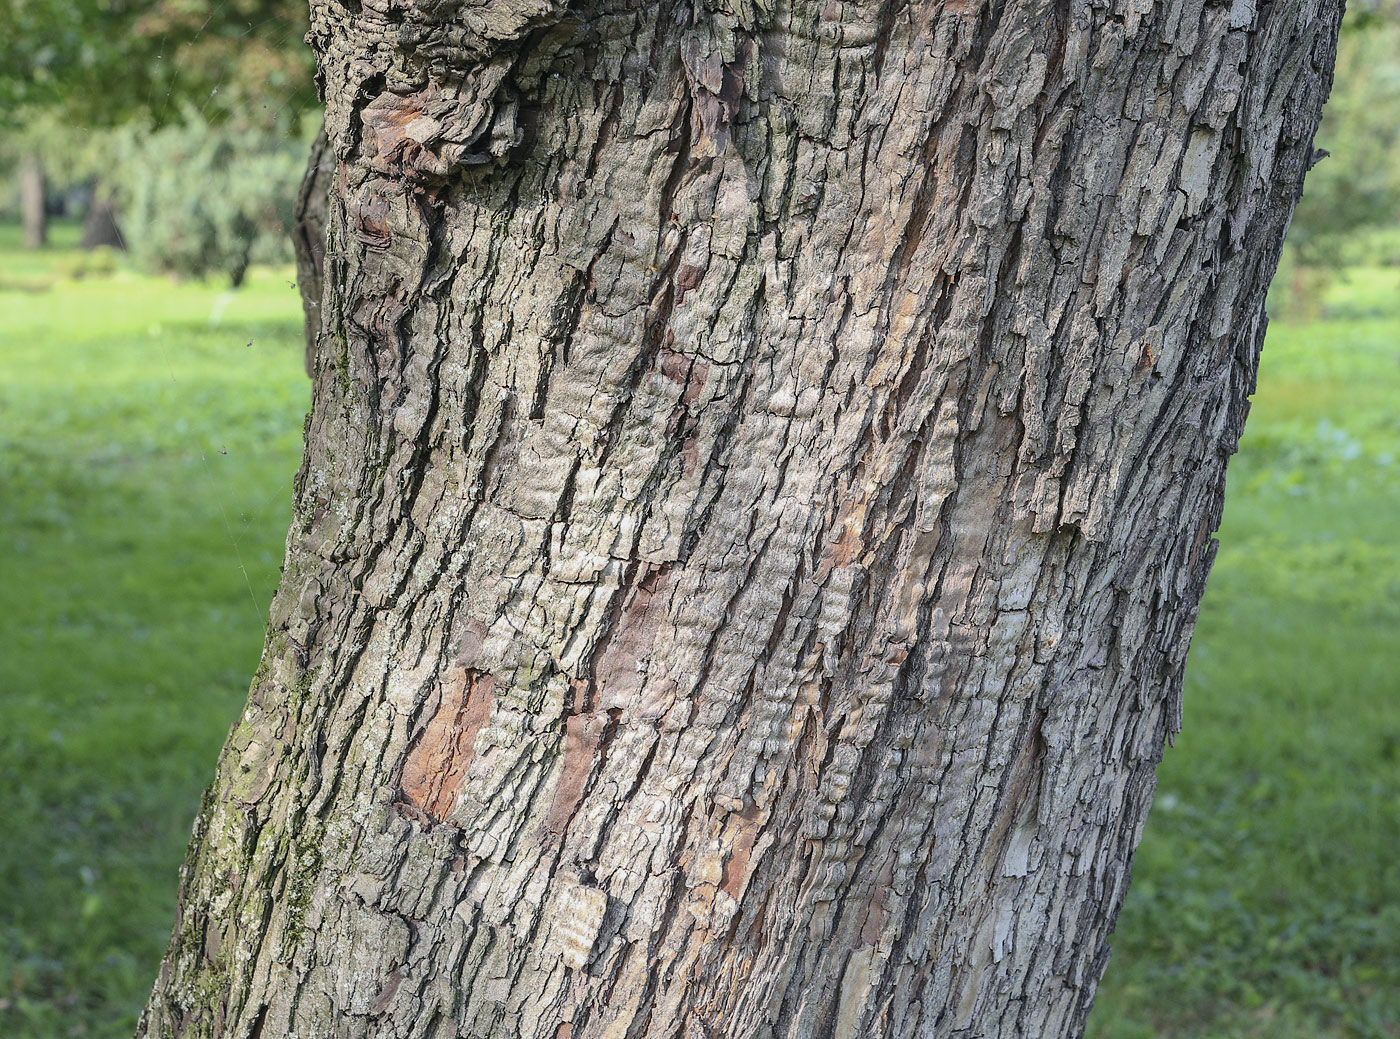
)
(754, 510)
(33, 202)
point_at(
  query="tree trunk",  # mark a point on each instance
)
(755, 505)
(33, 202)
(100, 227)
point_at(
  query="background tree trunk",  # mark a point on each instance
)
(33, 202)
(100, 227)
(754, 509)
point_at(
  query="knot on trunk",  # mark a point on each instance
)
(460, 33)
(454, 34)
(437, 72)
(430, 134)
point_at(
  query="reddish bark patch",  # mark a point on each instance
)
(581, 736)
(699, 373)
(689, 277)
(438, 761)
(736, 867)
(684, 369)
(387, 993)
(673, 365)
(690, 456)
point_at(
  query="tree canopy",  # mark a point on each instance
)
(104, 61)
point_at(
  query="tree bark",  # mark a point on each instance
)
(755, 504)
(33, 202)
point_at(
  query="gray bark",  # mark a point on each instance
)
(33, 203)
(755, 505)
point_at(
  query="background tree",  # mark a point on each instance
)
(48, 162)
(32, 200)
(203, 200)
(757, 494)
(1358, 189)
(216, 67)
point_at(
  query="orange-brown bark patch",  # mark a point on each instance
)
(619, 672)
(441, 755)
(581, 734)
(388, 116)
(850, 523)
(736, 866)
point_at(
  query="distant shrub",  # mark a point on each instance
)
(199, 199)
(1350, 212)
(1358, 188)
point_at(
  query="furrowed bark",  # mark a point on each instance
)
(755, 505)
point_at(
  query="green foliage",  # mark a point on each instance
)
(151, 433)
(1350, 210)
(100, 262)
(200, 199)
(70, 69)
(100, 62)
(1362, 14)
(1359, 185)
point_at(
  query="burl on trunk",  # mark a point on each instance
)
(755, 505)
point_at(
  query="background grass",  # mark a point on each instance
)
(148, 435)
(150, 431)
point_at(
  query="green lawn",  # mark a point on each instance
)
(148, 434)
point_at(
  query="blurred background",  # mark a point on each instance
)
(151, 405)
